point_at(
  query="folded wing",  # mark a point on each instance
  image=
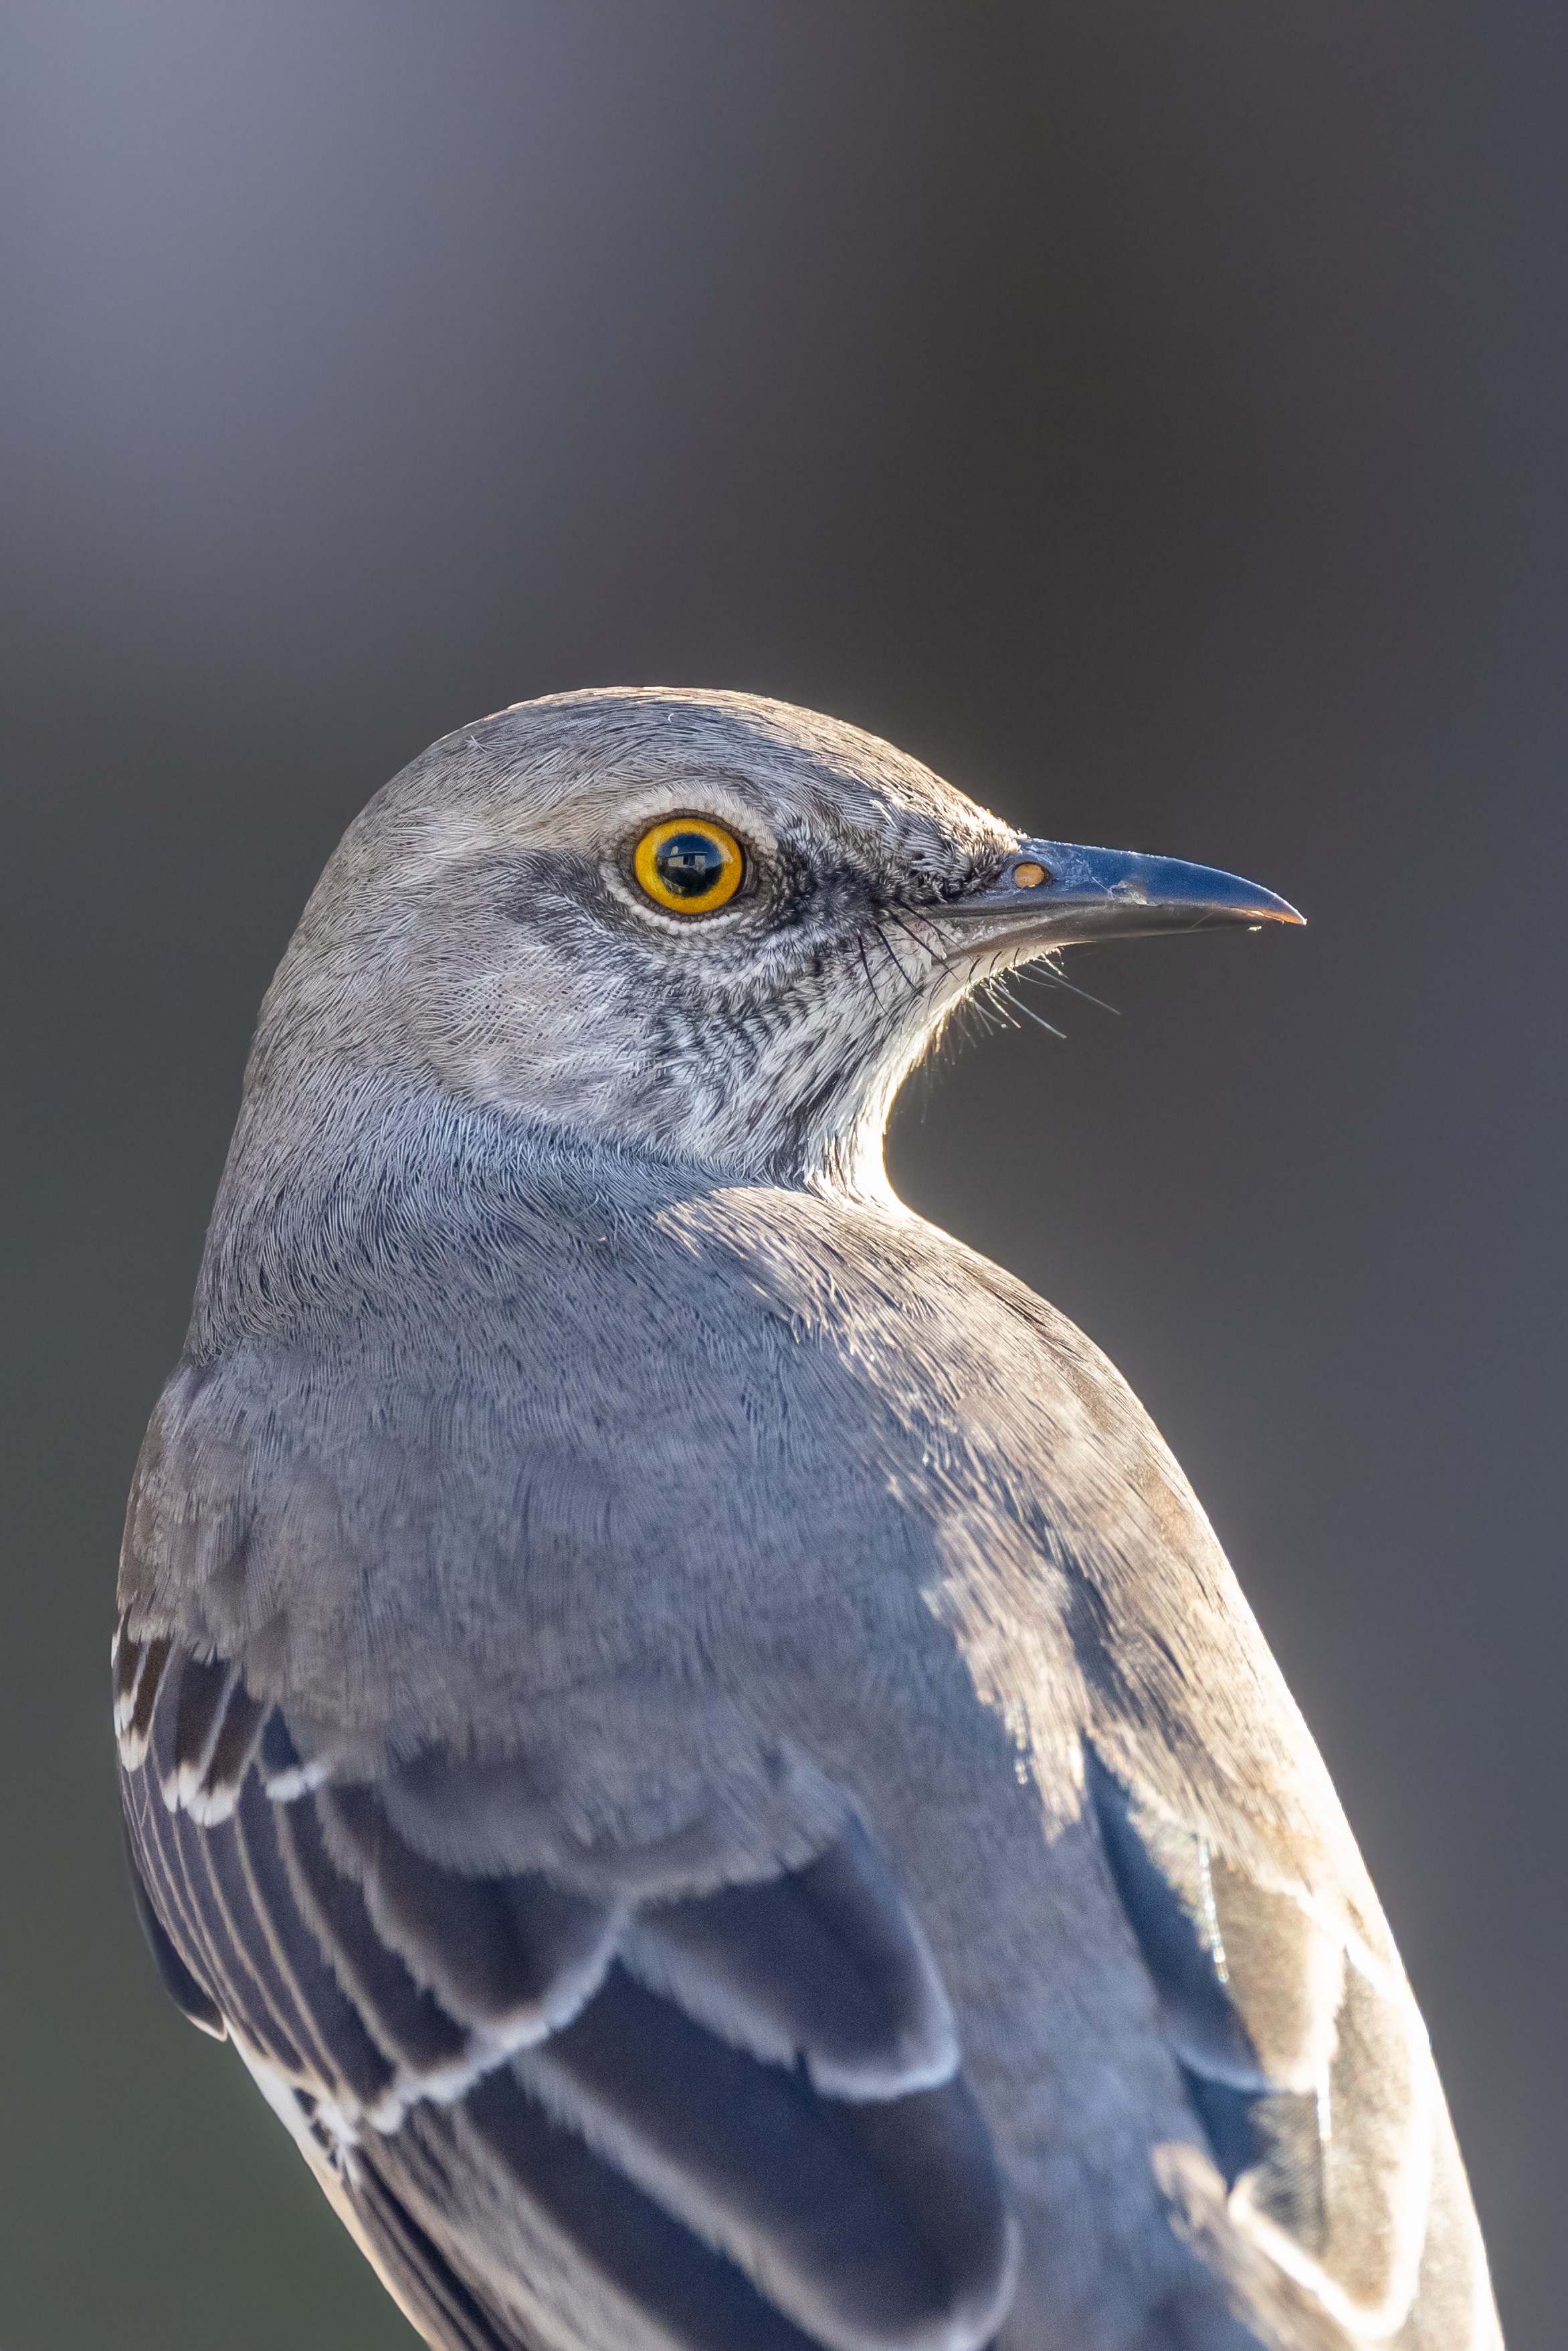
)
(1307, 2065)
(724, 2119)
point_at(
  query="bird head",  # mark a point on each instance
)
(702, 925)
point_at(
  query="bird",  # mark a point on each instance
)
(687, 1726)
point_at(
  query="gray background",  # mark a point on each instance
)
(1149, 411)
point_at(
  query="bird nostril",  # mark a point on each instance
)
(1029, 876)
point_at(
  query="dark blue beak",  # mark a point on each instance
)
(1069, 895)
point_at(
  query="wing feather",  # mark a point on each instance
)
(820, 1964)
(738, 2113)
(1305, 2058)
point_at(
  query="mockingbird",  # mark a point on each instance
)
(688, 1726)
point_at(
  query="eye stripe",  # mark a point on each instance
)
(689, 865)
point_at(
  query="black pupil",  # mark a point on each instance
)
(689, 864)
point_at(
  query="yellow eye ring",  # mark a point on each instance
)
(689, 865)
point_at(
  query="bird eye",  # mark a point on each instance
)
(689, 865)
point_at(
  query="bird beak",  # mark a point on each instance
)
(1056, 894)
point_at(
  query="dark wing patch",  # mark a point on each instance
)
(738, 2113)
(217, 1727)
(199, 1712)
(138, 1668)
(1303, 2058)
(516, 1954)
(821, 1965)
(343, 2050)
(828, 2202)
(227, 1758)
(409, 2022)
(622, 2237)
(424, 2283)
(1179, 1946)
(1230, 2124)
(181, 1985)
(1171, 1911)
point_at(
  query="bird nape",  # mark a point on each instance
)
(686, 1726)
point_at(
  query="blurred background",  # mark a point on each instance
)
(1151, 413)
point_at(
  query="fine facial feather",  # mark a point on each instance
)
(616, 1492)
